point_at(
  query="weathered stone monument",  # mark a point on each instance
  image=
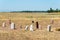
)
(12, 26)
(40, 27)
(37, 25)
(31, 27)
(26, 28)
(3, 24)
(49, 28)
(8, 22)
(52, 21)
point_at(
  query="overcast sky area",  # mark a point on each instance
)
(33, 5)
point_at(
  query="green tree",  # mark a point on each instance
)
(57, 10)
(50, 10)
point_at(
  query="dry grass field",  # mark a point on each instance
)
(25, 19)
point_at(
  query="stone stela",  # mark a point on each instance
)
(49, 28)
(3, 24)
(12, 26)
(31, 27)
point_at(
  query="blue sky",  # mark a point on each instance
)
(20, 5)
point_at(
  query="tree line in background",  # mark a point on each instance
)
(49, 11)
(52, 10)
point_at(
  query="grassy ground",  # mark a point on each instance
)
(25, 19)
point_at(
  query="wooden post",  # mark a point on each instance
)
(37, 25)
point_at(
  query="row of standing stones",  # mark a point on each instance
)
(12, 25)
